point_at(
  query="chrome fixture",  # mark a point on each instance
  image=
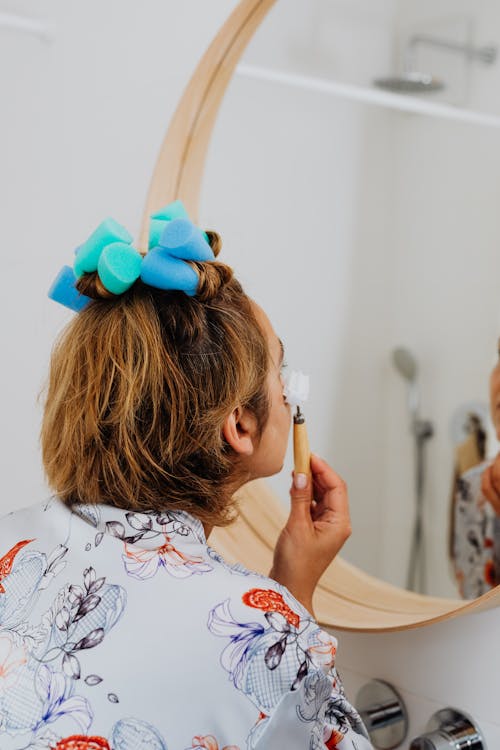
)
(384, 714)
(450, 729)
(422, 430)
(413, 81)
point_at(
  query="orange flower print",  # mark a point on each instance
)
(489, 573)
(145, 563)
(12, 658)
(210, 743)
(270, 601)
(323, 653)
(332, 742)
(7, 561)
(82, 742)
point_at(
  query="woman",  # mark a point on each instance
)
(119, 626)
(477, 515)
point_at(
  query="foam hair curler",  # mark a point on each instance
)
(184, 240)
(64, 291)
(88, 254)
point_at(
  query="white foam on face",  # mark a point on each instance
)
(296, 389)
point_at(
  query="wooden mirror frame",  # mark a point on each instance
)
(346, 597)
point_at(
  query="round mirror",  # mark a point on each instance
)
(371, 235)
(363, 220)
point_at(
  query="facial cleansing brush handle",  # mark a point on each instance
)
(301, 450)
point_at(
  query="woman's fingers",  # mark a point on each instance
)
(324, 476)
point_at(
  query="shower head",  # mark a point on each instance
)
(405, 363)
(410, 83)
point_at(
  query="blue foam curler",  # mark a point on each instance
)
(159, 219)
(87, 256)
(162, 271)
(119, 267)
(184, 240)
(63, 290)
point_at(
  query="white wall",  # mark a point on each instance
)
(82, 120)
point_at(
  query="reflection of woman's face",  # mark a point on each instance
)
(495, 394)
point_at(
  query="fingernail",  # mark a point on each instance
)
(300, 481)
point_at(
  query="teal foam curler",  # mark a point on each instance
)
(162, 271)
(87, 256)
(174, 210)
(184, 240)
(119, 266)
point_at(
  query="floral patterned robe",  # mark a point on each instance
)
(125, 631)
(476, 540)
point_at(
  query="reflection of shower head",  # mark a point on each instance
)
(410, 83)
(405, 363)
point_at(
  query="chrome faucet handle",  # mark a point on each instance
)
(384, 714)
(450, 729)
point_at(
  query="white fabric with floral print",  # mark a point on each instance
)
(126, 631)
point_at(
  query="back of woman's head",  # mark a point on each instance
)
(138, 390)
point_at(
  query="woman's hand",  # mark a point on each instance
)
(317, 527)
(490, 484)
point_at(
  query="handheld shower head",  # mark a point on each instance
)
(405, 363)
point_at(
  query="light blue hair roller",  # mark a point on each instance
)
(119, 267)
(64, 291)
(162, 271)
(88, 254)
(182, 239)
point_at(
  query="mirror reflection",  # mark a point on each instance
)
(378, 212)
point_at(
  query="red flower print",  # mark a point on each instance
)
(270, 601)
(489, 573)
(331, 742)
(81, 742)
(488, 542)
(210, 743)
(7, 561)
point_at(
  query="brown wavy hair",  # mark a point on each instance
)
(139, 386)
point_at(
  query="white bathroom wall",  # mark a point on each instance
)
(82, 121)
(451, 664)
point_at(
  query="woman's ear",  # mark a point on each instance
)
(239, 430)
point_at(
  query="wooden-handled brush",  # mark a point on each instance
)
(296, 392)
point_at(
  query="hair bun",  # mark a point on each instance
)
(91, 286)
(213, 276)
